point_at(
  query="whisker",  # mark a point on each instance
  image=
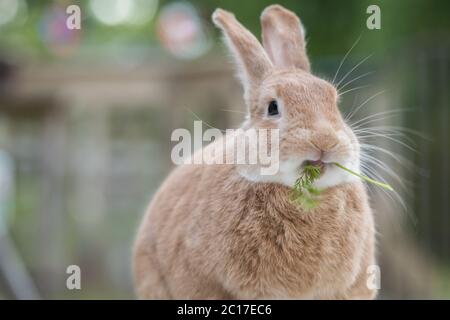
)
(345, 57)
(206, 123)
(370, 147)
(403, 130)
(354, 68)
(399, 142)
(393, 195)
(357, 78)
(385, 132)
(363, 125)
(372, 173)
(352, 113)
(370, 116)
(235, 111)
(384, 167)
(360, 122)
(353, 89)
(397, 157)
(392, 135)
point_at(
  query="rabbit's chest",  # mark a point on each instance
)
(301, 257)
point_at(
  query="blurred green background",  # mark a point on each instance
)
(86, 117)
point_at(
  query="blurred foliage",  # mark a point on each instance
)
(334, 25)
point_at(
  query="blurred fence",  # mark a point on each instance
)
(90, 146)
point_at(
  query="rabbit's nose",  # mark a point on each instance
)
(324, 141)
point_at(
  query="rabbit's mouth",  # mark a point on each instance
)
(316, 163)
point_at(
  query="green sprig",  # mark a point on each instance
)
(378, 183)
(303, 193)
(306, 196)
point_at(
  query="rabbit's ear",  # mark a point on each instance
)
(284, 38)
(252, 59)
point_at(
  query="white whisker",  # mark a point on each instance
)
(372, 173)
(369, 133)
(396, 141)
(360, 123)
(402, 130)
(206, 123)
(352, 89)
(352, 113)
(345, 57)
(235, 111)
(372, 160)
(354, 68)
(354, 79)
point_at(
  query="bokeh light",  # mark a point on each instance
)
(143, 11)
(117, 12)
(9, 10)
(111, 12)
(181, 31)
(59, 40)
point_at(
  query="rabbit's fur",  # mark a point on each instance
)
(224, 232)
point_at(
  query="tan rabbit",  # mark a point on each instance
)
(222, 232)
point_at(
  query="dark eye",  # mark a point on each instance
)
(273, 108)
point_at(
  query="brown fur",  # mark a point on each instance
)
(209, 233)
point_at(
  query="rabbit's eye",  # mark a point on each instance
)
(273, 108)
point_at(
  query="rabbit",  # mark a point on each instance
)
(225, 232)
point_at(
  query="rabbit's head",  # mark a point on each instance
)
(281, 92)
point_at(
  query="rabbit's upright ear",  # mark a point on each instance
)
(284, 38)
(252, 59)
